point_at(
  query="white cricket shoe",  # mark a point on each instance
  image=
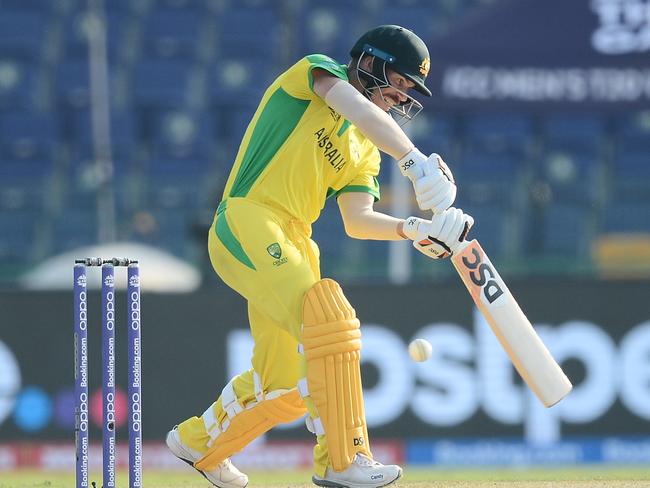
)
(362, 473)
(226, 475)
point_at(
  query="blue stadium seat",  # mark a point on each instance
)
(573, 133)
(425, 19)
(573, 176)
(434, 133)
(172, 231)
(18, 81)
(262, 27)
(632, 164)
(72, 85)
(77, 29)
(82, 192)
(325, 29)
(24, 184)
(630, 177)
(28, 135)
(498, 134)
(172, 34)
(19, 235)
(182, 135)
(567, 230)
(42, 6)
(177, 183)
(476, 165)
(236, 81)
(232, 123)
(74, 227)
(163, 83)
(22, 33)
(633, 133)
(123, 133)
(180, 5)
(626, 217)
(495, 227)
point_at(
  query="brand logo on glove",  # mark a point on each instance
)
(407, 164)
(430, 241)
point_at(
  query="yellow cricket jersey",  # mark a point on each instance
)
(297, 151)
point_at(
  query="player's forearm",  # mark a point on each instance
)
(373, 225)
(375, 124)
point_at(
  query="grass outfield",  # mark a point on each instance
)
(414, 478)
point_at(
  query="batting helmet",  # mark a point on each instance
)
(400, 49)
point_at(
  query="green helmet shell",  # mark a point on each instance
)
(402, 50)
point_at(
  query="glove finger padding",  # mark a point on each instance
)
(438, 202)
(436, 189)
(452, 226)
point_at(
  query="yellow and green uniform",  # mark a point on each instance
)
(296, 152)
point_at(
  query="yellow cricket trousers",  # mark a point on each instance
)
(270, 260)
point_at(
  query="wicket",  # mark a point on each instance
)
(108, 371)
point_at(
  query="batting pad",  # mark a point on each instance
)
(332, 348)
(246, 425)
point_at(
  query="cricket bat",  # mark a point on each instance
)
(517, 336)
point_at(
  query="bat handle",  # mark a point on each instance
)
(461, 247)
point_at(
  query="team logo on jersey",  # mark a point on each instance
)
(275, 251)
(424, 66)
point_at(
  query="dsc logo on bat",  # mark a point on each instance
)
(482, 273)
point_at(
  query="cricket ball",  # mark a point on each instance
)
(420, 350)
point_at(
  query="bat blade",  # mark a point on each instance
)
(528, 354)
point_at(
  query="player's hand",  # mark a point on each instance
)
(440, 237)
(433, 182)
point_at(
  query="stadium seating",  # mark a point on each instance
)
(18, 80)
(249, 33)
(22, 33)
(162, 83)
(24, 184)
(172, 34)
(626, 217)
(185, 79)
(567, 231)
(18, 239)
(27, 135)
(78, 27)
(322, 27)
(74, 227)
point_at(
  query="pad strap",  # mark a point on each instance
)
(211, 424)
(229, 401)
(248, 424)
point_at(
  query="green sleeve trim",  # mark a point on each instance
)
(230, 242)
(328, 64)
(374, 191)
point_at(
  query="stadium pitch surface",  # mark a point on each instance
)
(583, 477)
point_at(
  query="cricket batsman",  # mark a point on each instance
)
(316, 134)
